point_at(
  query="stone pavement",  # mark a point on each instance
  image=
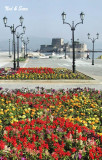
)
(82, 65)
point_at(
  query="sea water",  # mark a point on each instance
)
(96, 54)
(5, 54)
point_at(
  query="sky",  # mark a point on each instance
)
(43, 20)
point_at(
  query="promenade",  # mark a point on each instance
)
(82, 65)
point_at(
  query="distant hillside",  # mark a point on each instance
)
(34, 43)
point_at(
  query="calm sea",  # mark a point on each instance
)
(5, 54)
(96, 54)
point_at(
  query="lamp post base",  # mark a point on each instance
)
(18, 66)
(17, 63)
(92, 62)
(74, 70)
(14, 66)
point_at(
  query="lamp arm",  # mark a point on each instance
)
(95, 39)
(67, 23)
(21, 34)
(17, 27)
(18, 35)
(78, 23)
(7, 26)
(91, 39)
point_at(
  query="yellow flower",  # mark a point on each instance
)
(89, 122)
(100, 134)
(11, 117)
(52, 106)
(96, 121)
(94, 127)
(0, 126)
(24, 116)
(92, 123)
(33, 109)
(65, 115)
(33, 113)
(65, 118)
(78, 119)
(71, 110)
(83, 114)
(84, 121)
(5, 111)
(1, 112)
(70, 117)
(85, 124)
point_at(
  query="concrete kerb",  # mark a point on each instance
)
(52, 81)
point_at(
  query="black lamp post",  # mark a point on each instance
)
(9, 49)
(65, 51)
(18, 36)
(25, 46)
(93, 41)
(73, 29)
(12, 47)
(13, 31)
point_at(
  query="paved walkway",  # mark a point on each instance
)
(82, 65)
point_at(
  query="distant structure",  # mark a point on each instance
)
(58, 45)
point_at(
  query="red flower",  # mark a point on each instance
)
(68, 153)
(91, 155)
(19, 147)
(75, 94)
(54, 155)
(2, 145)
(84, 138)
(73, 150)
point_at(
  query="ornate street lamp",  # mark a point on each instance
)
(93, 41)
(18, 36)
(73, 29)
(25, 44)
(13, 31)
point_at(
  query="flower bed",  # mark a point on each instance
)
(51, 125)
(41, 74)
(50, 139)
(81, 106)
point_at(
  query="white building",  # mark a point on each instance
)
(79, 47)
(58, 45)
(58, 42)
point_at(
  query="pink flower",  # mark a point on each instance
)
(98, 92)
(80, 156)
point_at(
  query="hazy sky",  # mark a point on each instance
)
(43, 20)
